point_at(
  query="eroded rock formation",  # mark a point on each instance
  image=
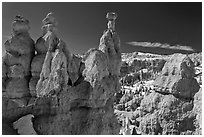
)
(171, 109)
(177, 77)
(73, 95)
(139, 66)
(110, 45)
(17, 61)
(49, 29)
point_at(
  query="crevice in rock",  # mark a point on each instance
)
(69, 82)
(78, 81)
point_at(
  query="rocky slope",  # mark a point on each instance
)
(170, 105)
(73, 95)
(171, 109)
(149, 65)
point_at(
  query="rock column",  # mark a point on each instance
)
(74, 96)
(110, 45)
(54, 68)
(17, 61)
(42, 44)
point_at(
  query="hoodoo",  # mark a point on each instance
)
(70, 94)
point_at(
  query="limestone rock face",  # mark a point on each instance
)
(56, 78)
(177, 77)
(96, 66)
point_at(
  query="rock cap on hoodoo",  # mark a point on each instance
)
(50, 19)
(21, 18)
(49, 23)
(111, 16)
(20, 24)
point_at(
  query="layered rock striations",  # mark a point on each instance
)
(74, 95)
(16, 63)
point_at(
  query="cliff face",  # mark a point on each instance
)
(73, 95)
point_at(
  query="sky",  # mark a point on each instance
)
(81, 25)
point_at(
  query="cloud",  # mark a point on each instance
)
(159, 45)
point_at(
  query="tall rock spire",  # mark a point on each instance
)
(110, 45)
(59, 64)
(76, 95)
(48, 41)
(47, 44)
(17, 61)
